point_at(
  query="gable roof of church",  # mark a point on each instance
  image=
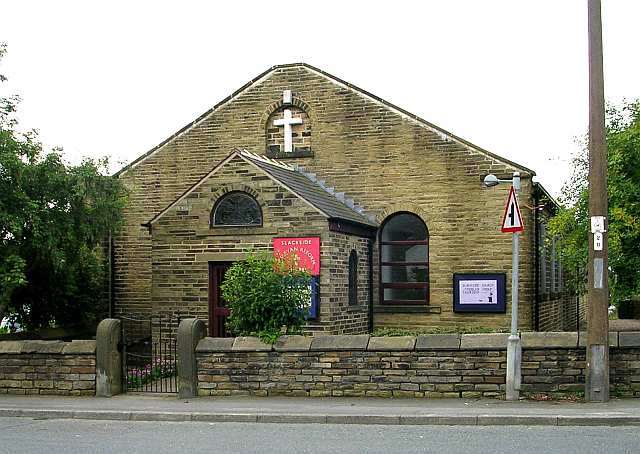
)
(446, 135)
(331, 204)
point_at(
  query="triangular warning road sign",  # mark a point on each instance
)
(512, 219)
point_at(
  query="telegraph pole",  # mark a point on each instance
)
(597, 372)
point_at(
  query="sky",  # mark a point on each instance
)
(117, 78)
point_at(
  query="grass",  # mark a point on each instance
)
(461, 329)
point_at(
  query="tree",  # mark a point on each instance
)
(54, 220)
(572, 225)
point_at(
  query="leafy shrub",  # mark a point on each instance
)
(266, 295)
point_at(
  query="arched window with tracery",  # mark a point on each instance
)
(404, 260)
(236, 209)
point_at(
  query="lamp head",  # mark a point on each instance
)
(491, 180)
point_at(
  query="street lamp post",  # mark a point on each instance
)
(514, 346)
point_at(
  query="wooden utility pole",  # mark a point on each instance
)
(597, 372)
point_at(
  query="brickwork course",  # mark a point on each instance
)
(384, 158)
(48, 367)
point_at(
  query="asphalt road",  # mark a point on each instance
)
(24, 435)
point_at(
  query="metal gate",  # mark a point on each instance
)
(149, 354)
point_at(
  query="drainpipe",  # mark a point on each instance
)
(370, 253)
(536, 229)
(110, 252)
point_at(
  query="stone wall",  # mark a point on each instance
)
(468, 366)
(184, 243)
(48, 367)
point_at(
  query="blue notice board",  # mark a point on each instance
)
(314, 309)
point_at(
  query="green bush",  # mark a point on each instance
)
(267, 296)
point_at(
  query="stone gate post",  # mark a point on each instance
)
(190, 332)
(108, 358)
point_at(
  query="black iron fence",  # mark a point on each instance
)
(149, 354)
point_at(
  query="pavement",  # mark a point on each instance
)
(480, 412)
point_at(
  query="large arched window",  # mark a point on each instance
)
(236, 209)
(404, 260)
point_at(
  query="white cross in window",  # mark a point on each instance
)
(287, 121)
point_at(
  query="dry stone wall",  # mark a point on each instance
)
(48, 367)
(467, 366)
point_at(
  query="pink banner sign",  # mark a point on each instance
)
(307, 250)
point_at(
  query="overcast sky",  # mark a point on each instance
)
(116, 78)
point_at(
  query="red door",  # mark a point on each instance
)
(218, 310)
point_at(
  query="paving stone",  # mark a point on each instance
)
(79, 347)
(11, 347)
(250, 344)
(391, 343)
(340, 343)
(532, 339)
(613, 339)
(39, 346)
(438, 342)
(495, 341)
(215, 344)
(517, 420)
(629, 339)
(293, 344)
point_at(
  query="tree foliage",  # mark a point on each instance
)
(572, 223)
(266, 294)
(54, 218)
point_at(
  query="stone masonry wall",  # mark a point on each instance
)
(48, 367)
(383, 159)
(184, 243)
(467, 366)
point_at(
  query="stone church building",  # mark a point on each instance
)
(405, 233)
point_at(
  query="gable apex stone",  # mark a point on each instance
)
(444, 135)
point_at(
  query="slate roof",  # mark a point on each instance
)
(333, 205)
(305, 185)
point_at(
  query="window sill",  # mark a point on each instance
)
(406, 309)
(360, 308)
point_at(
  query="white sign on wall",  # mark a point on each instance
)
(478, 291)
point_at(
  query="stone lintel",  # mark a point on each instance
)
(391, 343)
(493, 341)
(533, 339)
(340, 342)
(582, 339)
(438, 342)
(250, 344)
(629, 339)
(293, 344)
(215, 344)
(79, 347)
